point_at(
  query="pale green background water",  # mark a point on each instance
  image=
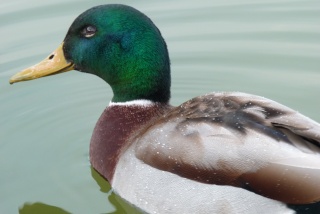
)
(264, 47)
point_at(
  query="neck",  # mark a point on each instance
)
(114, 130)
(143, 71)
(155, 87)
(139, 103)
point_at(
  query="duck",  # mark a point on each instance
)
(222, 152)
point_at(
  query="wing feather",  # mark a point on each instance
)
(240, 140)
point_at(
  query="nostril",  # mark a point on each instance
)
(51, 56)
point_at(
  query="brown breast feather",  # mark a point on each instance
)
(111, 135)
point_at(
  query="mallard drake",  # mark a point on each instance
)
(226, 152)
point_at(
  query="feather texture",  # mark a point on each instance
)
(239, 140)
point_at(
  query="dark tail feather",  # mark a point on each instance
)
(306, 209)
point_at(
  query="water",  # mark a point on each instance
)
(266, 47)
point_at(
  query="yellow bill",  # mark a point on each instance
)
(55, 63)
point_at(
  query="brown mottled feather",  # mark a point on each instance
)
(186, 141)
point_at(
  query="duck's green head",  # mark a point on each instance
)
(117, 43)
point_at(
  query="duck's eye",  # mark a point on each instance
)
(89, 31)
